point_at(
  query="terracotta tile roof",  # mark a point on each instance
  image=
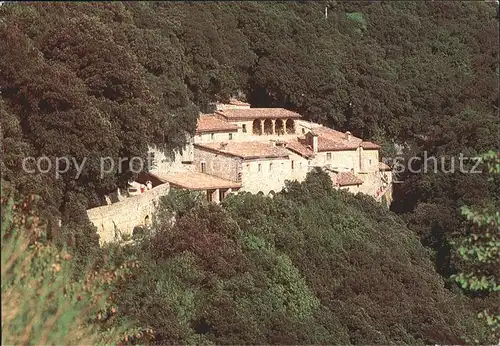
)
(246, 150)
(212, 123)
(347, 179)
(332, 140)
(258, 113)
(370, 145)
(236, 102)
(300, 148)
(383, 167)
(197, 181)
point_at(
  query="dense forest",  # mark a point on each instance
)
(311, 266)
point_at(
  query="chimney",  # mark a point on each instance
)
(348, 135)
(314, 145)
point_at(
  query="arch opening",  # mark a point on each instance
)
(280, 127)
(256, 130)
(290, 126)
(268, 127)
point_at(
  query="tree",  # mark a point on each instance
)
(42, 303)
(479, 250)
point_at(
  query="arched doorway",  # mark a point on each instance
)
(256, 127)
(280, 127)
(268, 127)
(290, 126)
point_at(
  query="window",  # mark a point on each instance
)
(203, 167)
(212, 136)
(293, 164)
(270, 166)
(230, 136)
(370, 161)
(244, 128)
(260, 167)
(303, 130)
(329, 156)
(151, 160)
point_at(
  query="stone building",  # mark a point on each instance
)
(260, 148)
(239, 148)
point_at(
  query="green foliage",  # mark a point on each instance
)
(108, 79)
(357, 17)
(479, 252)
(310, 266)
(41, 301)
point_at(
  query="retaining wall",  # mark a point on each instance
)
(123, 216)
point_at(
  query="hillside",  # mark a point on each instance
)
(106, 80)
(310, 266)
(85, 81)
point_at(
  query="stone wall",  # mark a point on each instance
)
(164, 164)
(272, 173)
(347, 159)
(123, 216)
(299, 170)
(370, 159)
(371, 182)
(221, 136)
(219, 165)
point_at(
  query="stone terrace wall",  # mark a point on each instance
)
(125, 215)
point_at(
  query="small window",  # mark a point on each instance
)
(212, 136)
(293, 164)
(230, 136)
(270, 166)
(370, 161)
(303, 130)
(203, 167)
(329, 156)
(260, 167)
(244, 128)
(151, 161)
